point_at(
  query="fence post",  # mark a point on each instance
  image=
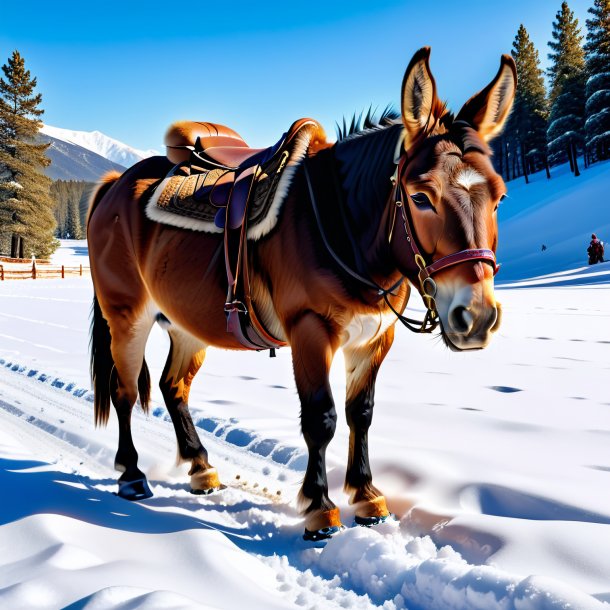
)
(34, 270)
(63, 275)
(81, 270)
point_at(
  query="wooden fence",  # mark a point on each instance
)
(35, 272)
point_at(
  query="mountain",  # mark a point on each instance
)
(99, 143)
(72, 162)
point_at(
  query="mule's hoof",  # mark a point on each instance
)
(372, 512)
(372, 521)
(135, 490)
(324, 533)
(207, 492)
(205, 482)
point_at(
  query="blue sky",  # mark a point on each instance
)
(129, 69)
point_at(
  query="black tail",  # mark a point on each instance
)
(102, 364)
(144, 386)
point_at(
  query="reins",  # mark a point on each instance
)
(427, 285)
(426, 326)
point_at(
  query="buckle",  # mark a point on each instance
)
(235, 306)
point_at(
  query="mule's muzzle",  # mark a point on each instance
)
(467, 328)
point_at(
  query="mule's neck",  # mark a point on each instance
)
(364, 165)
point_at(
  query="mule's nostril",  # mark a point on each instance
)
(461, 319)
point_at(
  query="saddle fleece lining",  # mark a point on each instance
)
(266, 225)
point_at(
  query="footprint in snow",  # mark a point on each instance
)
(505, 389)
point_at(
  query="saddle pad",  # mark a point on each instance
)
(197, 201)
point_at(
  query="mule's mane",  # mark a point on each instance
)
(364, 164)
(361, 124)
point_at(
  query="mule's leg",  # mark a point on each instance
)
(312, 352)
(362, 365)
(185, 357)
(129, 331)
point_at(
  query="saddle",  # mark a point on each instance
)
(220, 184)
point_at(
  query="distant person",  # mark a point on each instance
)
(595, 250)
(543, 247)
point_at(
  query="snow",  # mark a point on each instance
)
(598, 116)
(592, 81)
(99, 143)
(560, 213)
(495, 463)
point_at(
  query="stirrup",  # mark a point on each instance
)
(324, 533)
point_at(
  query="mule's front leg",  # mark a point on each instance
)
(313, 348)
(362, 365)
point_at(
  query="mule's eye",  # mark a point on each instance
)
(422, 202)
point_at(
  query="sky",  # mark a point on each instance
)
(130, 69)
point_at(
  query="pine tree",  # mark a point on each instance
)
(526, 127)
(597, 107)
(567, 96)
(26, 208)
(73, 228)
(71, 198)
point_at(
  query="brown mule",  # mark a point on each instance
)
(415, 199)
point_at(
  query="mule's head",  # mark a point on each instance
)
(454, 193)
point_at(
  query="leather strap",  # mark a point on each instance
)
(428, 270)
(242, 322)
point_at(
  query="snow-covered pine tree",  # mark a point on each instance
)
(597, 107)
(26, 208)
(527, 125)
(565, 134)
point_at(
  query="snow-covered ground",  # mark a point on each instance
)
(496, 463)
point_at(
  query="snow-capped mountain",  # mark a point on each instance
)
(72, 162)
(99, 143)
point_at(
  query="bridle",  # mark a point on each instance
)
(423, 270)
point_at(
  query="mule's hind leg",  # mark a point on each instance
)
(312, 353)
(129, 331)
(362, 365)
(185, 357)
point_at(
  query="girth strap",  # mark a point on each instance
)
(242, 321)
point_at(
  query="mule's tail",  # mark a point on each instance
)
(102, 364)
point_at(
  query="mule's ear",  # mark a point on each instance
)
(418, 97)
(488, 110)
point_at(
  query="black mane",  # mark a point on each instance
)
(361, 123)
(365, 164)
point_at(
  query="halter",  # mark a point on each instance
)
(427, 286)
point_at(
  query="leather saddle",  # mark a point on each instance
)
(223, 170)
(215, 178)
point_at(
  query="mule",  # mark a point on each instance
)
(415, 199)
